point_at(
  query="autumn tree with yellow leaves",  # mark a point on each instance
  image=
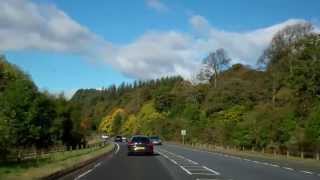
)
(112, 123)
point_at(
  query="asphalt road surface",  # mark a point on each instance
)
(173, 162)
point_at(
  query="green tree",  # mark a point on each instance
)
(313, 128)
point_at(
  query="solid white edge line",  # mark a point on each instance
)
(188, 172)
(213, 171)
(175, 162)
(197, 170)
(97, 165)
(205, 174)
(83, 174)
(118, 148)
(193, 162)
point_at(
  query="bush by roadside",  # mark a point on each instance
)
(38, 168)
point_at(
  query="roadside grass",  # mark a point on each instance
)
(37, 168)
(307, 163)
(283, 160)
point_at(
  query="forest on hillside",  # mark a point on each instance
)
(275, 106)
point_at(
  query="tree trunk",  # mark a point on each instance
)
(215, 77)
(215, 82)
(274, 91)
(291, 69)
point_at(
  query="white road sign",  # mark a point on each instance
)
(183, 132)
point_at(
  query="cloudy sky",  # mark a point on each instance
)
(66, 45)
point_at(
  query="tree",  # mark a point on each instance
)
(112, 123)
(214, 63)
(30, 118)
(283, 39)
(16, 103)
(313, 128)
(275, 57)
(131, 126)
(164, 102)
(42, 117)
(205, 74)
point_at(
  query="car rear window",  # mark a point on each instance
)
(154, 137)
(140, 139)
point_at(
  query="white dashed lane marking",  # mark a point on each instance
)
(186, 170)
(307, 172)
(274, 165)
(253, 161)
(287, 168)
(187, 165)
(213, 171)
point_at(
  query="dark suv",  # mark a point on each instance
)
(118, 139)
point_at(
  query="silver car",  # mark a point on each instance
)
(156, 140)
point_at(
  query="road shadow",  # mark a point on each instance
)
(142, 155)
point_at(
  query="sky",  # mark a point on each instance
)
(67, 45)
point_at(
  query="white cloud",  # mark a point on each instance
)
(27, 25)
(243, 47)
(155, 54)
(157, 5)
(199, 23)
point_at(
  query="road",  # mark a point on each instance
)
(173, 162)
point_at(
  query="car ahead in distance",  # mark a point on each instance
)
(156, 140)
(104, 137)
(140, 145)
(118, 139)
(124, 139)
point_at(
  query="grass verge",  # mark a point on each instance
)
(37, 168)
(295, 162)
(282, 160)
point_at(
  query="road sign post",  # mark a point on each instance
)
(183, 133)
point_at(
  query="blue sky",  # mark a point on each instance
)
(97, 43)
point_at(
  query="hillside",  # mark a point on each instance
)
(275, 108)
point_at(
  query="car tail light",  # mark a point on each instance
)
(130, 143)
